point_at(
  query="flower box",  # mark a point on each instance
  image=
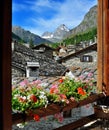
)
(33, 100)
(55, 108)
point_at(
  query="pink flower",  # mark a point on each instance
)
(39, 87)
(63, 96)
(67, 101)
(81, 77)
(37, 82)
(72, 99)
(90, 74)
(90, 84)
(59, 117)
(54, 89)
(86, 81)
(24, 83)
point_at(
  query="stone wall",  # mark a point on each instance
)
(22, 54)
(81, 68)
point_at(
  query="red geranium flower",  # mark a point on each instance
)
(36, 117)
(63, 96)
(33, 98)
(61, 80)
(81, 91)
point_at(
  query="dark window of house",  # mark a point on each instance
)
(86, 58)
(42, 48)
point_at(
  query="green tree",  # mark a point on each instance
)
(31, 44)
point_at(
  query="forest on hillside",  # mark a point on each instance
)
(78, 38)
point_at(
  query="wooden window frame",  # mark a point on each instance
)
(5, 68)
(103, 46)
(5, 55)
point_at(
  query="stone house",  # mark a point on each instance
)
(84, 59)
(26, 62)
(44, 49)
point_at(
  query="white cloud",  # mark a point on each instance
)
(18, 7)
(43, 3)
(70, 13)
(39, 5)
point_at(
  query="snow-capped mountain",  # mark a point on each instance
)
(57, 35)
(60, 32)
(47, 35)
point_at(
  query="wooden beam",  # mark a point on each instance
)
(100, 50)
(78, 123)
(5, 68)
(103, 46)
(106, 44)
(100, 114)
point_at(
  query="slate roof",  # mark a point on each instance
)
(22, 54)
(43, 45)
(84, 50)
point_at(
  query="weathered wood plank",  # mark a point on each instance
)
(100, 114)
(100, 50)
(103, 46)
(77, 123)
(106, 44)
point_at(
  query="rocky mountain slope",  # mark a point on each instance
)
(27, 36)
(17, 38)
(89, 22)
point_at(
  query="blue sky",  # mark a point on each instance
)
(39, 16)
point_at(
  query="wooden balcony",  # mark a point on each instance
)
(55, 108)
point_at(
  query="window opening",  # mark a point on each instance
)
(32, 69)
(86, 60)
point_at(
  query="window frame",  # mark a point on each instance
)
(5, 49)
(86, 58)
(5, 69)
(103, 46)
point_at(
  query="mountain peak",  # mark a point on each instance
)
(47, 35)
(57, 35)
(63, 27)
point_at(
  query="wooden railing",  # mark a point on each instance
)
(55, 108)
